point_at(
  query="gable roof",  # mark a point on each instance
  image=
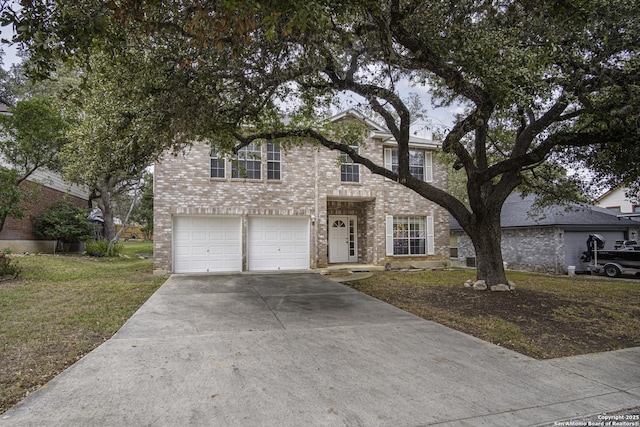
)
(52, 180)
(516, 213)
(358, 115)
(378, 131)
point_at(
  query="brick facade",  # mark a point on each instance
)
(310, 186)
(24, 229)
(538, 249)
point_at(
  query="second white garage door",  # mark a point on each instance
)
(278, 243)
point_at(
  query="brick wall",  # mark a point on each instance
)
(310, 186)
(539, 249)
(24, 229)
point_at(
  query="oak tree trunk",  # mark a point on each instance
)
(486, 235)
(107, 209)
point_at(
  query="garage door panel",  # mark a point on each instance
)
(268, 235)
(286, 236)
(197, 222)
(182, 250)
(232, 250)
(217, 235)
(199, 250)
(278, 243)
(207, 244)
(217, 250)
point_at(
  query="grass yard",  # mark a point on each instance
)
(62, 307)
(545, 317)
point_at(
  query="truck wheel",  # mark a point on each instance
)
(611, 270)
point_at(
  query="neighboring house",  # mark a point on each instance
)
(19, 235)
(617, 201)
(272, 209)
(551, 241)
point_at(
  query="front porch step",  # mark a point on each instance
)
(349, 272)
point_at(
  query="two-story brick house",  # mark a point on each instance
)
(271, 209)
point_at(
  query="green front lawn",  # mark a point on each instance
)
(62, 307)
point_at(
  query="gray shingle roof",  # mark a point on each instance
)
(518, 212)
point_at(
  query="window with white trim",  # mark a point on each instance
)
(248, 162)
(273, 161)
(420, 163)
(217, 165)
(409, 235)
(349, 170)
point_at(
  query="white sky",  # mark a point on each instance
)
(10, 56)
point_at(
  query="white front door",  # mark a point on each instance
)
(342, 239)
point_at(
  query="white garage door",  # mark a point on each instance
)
(204, 244)
(278, 243)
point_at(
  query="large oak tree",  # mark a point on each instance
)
(538, 79)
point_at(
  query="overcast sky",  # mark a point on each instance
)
(10, 52)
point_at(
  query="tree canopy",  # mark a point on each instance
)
(538, 79)
(31, 138)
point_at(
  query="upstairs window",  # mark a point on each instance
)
(349, 170)
(273, 161)
(420, 163)
(217, 165)
(248, 163)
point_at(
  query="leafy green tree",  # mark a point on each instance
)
(10, 196)
(112, 143)
(32, 136)
(65, 222)
(615, 162)
(537, 79)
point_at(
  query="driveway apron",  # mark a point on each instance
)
(301, 350)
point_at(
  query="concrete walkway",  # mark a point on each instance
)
(301, 350)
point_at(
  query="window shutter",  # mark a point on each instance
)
(387, 160)
(428, 167)
(389, 233)
(430, 236)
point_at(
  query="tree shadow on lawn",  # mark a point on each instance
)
(539, 324)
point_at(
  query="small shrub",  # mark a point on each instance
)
(100, 248)
(65, 222)
(116, 249)
(96, 248)
(8, 266)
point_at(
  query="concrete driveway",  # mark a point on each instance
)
(301, 350)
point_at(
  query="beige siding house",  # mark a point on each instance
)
(617, 201)
(298, 209)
